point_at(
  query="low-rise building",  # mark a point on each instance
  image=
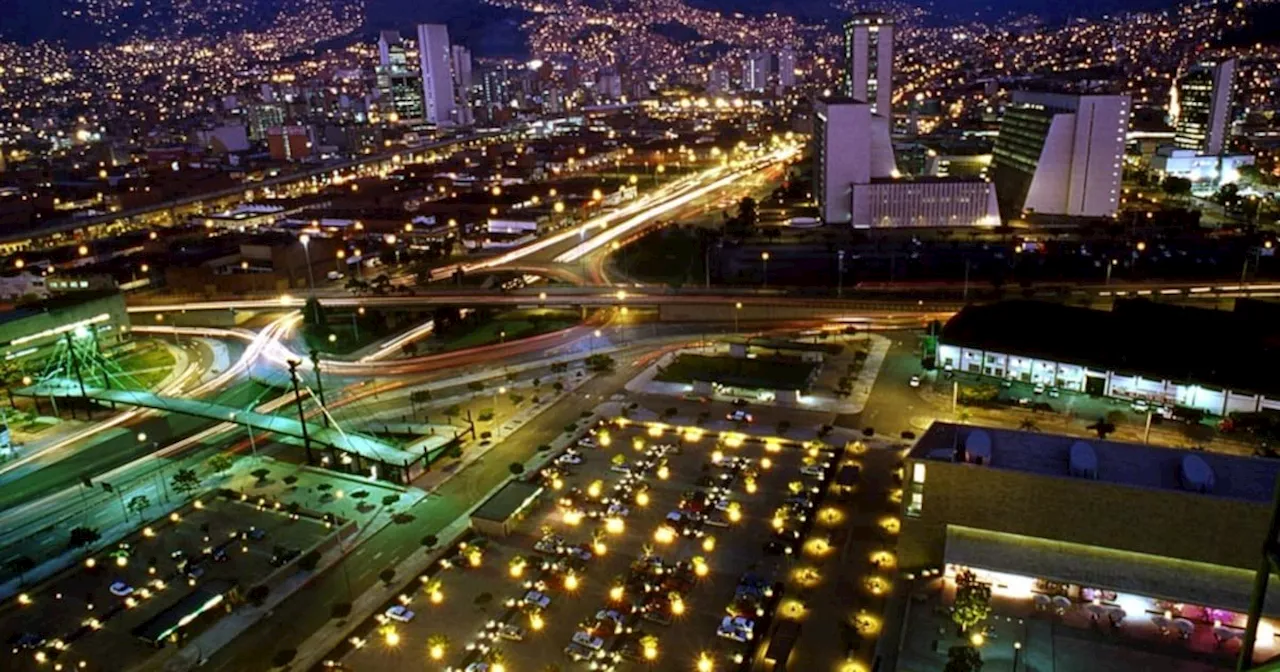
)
(1132, 530)
(30, 334)
(1213, 360)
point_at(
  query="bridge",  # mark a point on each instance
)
(347, 451)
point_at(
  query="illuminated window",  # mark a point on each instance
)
(916, 505)
(917, 472)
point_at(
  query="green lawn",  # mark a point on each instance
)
(776, 373)
(145, 367)
(506, 327)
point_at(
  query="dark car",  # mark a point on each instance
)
(283, 556)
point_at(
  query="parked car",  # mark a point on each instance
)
(740, 415)
(399, 612)
(534, 598)
(121, 589)
(915, 381)
(737, 628)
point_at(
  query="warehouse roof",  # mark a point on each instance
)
(1213, 348)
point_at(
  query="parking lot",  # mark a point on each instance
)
(640, 548)
(118, 588)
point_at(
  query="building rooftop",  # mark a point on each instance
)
(1157, 340)
(1250, 479)
(506, 502)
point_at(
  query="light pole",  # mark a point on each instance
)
(302, 417)
(840, 274)
(1017, 653)
(305, 239)
(253, 443)
(736, 308)
(1110, 264)
(596, 334)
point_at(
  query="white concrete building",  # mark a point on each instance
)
(868, 52)
(1209, 170)
(1060, 154)
(755, 71)
(857, 183)
(434, 59)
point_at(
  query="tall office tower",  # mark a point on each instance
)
(856, 183)
(787, 68)
(399, 83)
(1060, 154)
(437, 73)
(717, 80)
(259, 117)
(1203, 106)
(462, 83)
(848, 149)
(868, 53)
(755, 71)
(495, 85)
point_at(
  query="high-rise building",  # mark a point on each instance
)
(259, 117)
(462, 83)
(434, 61)
(399, 82)
(717, 80)
(755, 71)
(787, 68)
(1202, 106)
(1060, 154)
(857, 182)
(868, 52)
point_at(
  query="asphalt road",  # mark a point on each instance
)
(309, 609)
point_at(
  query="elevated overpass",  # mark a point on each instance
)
(356, 452)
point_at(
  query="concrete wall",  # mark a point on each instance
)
(1164, 523)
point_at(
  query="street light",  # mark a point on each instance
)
(764, 260)
(736, 308)
(305, 239)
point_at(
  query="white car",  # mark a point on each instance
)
(617, 509)
(478, 667)
(587, 442)
(737, 628)
(915, 381)
(1038, 389)
(588, 640)
(740, 416)
(121, 589)
(534, 598)
(621, 468)
(400, 613)
(1140, 405)
(511, 631)
(569, 458)
(813, 470)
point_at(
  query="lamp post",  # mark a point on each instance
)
(764, 261)
(311, 279)
(596, 335)
(1017, 653)
(1110, 263)
(840, 274)
(302, 417)
(324, 408)
(736, 308)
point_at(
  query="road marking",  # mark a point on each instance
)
(376, 555)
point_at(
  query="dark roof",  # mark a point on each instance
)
(506, 502)
(1133, 465)
(1156, 340)
(162, 624)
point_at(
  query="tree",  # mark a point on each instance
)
(313, 313)
(1176, 186)
(670, 412)
(475, 386)
(138, 504)
(308, 562)
(387, 575)
(340, 609)
(600, 363)
(452, 412)
(185, 481)
(973, 601)
(516, 399)
(220, 463)
(258, 594)
(283, 657)
(20, 565)
(963, 659)
(515, 468)
(430, 541)
(82, 536)
(260, 474)
(558, 387)
(420, 396)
